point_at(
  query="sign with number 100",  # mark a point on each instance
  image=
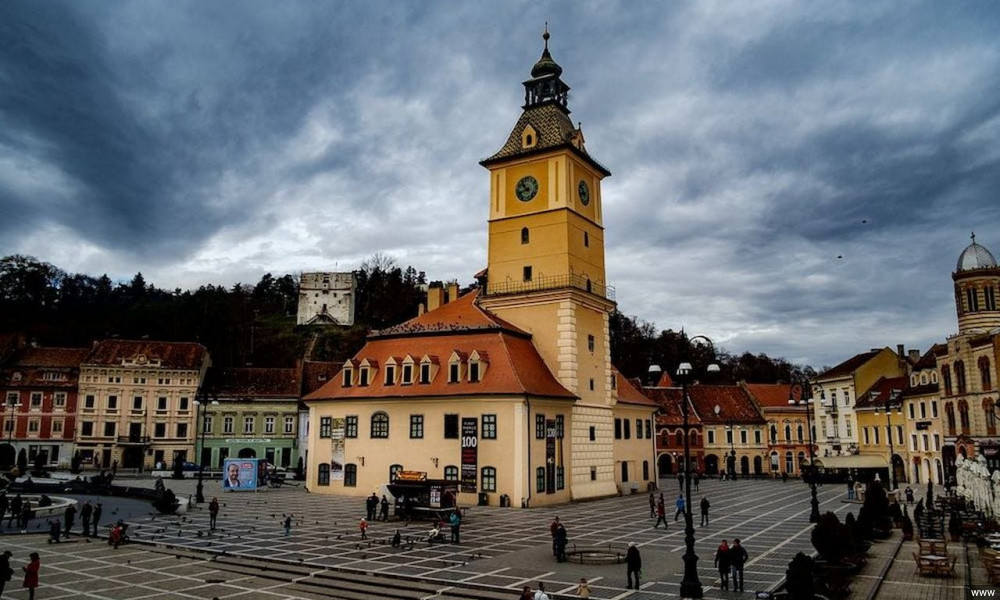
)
(469, 441)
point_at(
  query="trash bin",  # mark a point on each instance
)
(484, 499)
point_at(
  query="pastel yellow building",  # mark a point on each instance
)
(508, 390)
(924, 431)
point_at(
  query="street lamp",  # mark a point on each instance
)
(11, 403)
(690, 585)
(200, 418)
(805, 399)
(731, 461)
(889, 402)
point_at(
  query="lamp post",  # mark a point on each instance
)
(200, 419)
(11, 403)
(889, 402)
(805, 399)
(690, 584)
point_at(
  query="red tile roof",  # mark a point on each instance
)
(669, 401)
(883, 389)
(929, 359)
(172, 355)
(253, 382)
(464, 314)
(316, 374)
(628, 392)
(848, 366)
(665, 380)
(772, 395)
(733, 401)
(50, 357)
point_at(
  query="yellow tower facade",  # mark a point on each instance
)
(546, 269)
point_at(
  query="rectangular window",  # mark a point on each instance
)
(757, 437)
(618, 429)
(591, 384)
(539, 427)
(88, 400)
(743, 436)
(847, 423)
(137, 403)
(363, 377)
(289, 425)
(112, 403)
(560, 478)
(57, 426)
(228, 424)
(350, 475)
(159, 430)
(33, 425)
(86, 429)
(937, 442)
(248, 425)
(269, 424)
(560, 426)
(416, 427)
(182, 404)
(473, 372)
(489, 427)
(109, 429)
(527, 273)
(325, 427)
(593, 433)
(934, 412)
(207, 423)
(864, 434)
(729, 436)
(454, 372)
(489, 476)
(593, 473)
(36, 399)
(590, 343)
(323, 474)
(161, 404)
(913, 442)
(638, 429)
(923, 410)
(351, 426)
(649, 429)
(407, 374)
(899, 434)
(628, 428)
(926, 445)
(711, 436)
(182, 430)
(875, 430)
(540, 480)
(425, 373)
(390, 374)
(346, 381)
(451, 427)
(912, 415)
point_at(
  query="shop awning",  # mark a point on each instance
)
(858, 461)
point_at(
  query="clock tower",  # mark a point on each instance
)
(546, 262)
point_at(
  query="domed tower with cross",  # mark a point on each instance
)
(977, 285)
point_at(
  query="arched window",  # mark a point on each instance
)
(991, 423)
(489, 477)
(645, 470)
(679, 438)
(380, 425)
(985, 379)
(960, 376)
(972, 299)
(949, 417)
(963, 415)
(774, 461)
(323, 474)
(802, 459)
(788, 432)
(525, 236)
(394, 471)
(946, 377)
(350, 475)
(694, 437)
(799, 431)
(451, 473)
(774, 437)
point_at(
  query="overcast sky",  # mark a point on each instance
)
(795, 178)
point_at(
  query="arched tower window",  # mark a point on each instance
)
(949, 417)
(788, 432)
(963, 415)
(985, 379)
(679, 439)
(991, 424)
(972, 299)
(946, 377)
(990, 297)
(525, 236)
(960, 376)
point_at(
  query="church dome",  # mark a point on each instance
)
(546, 65)
(975, 257)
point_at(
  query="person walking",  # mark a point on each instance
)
(561, 540)
(97, 516)
(85, 514)
(909, 496)
(633, 565)
(680, 480)
(526, 594)
(363, 526)
(652, 506)
(384, 509)
(5, 571)
(850, 489)
(553, 526)
(583, 590)
(55, 531)
(722, 563)
(213, 513)
(70, 518)
(704, 510)
(679, 503)
(737, 558)
(26, 513)
(661, 515)
(288, 525)
(540, 593)
(697, 480)
(31, 574)
(455, 520)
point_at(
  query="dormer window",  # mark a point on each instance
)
(348, 377)
(454, 372)
(390, 374)
(363, 376)
(425, 373)
(473, 372)
(407, 375)
(529, 137)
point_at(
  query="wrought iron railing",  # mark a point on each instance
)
(540, 283)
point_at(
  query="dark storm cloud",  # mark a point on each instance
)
(793, 178)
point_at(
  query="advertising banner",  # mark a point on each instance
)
(242, 474)
(337, 450)
(470, 454)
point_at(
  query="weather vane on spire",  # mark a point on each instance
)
(973, 237)
(545, 36)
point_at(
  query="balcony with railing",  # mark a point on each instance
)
(554, 282)
(133, 440)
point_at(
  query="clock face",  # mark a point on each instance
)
(584, 192)
(526, 188)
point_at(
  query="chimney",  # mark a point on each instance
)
(900, 350)
(914, 354)
(435, 296)
(452, 291)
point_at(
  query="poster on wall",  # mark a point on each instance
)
(470, 454)
(337, 449)
(242, 474)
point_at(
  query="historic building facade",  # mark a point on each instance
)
(326, 299)
(136, 402)
(787, 432)
(508, 389)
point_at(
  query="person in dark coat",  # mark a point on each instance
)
(5, 571)
(680, 480)
(704, 510)
(70, 518)
(85, 514)
(97, 516)
(737, 558)
(55, 531)
(5, 504)
(25, 516)
(213, 513)
(15, 511)
(652, 506)
(384, 509)
(372, 505)
(722, 563)
(561, 539)
(661, 514)
(633, 564)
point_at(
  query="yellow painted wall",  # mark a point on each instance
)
(883, 364)
(635, 451)
(558, 174)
